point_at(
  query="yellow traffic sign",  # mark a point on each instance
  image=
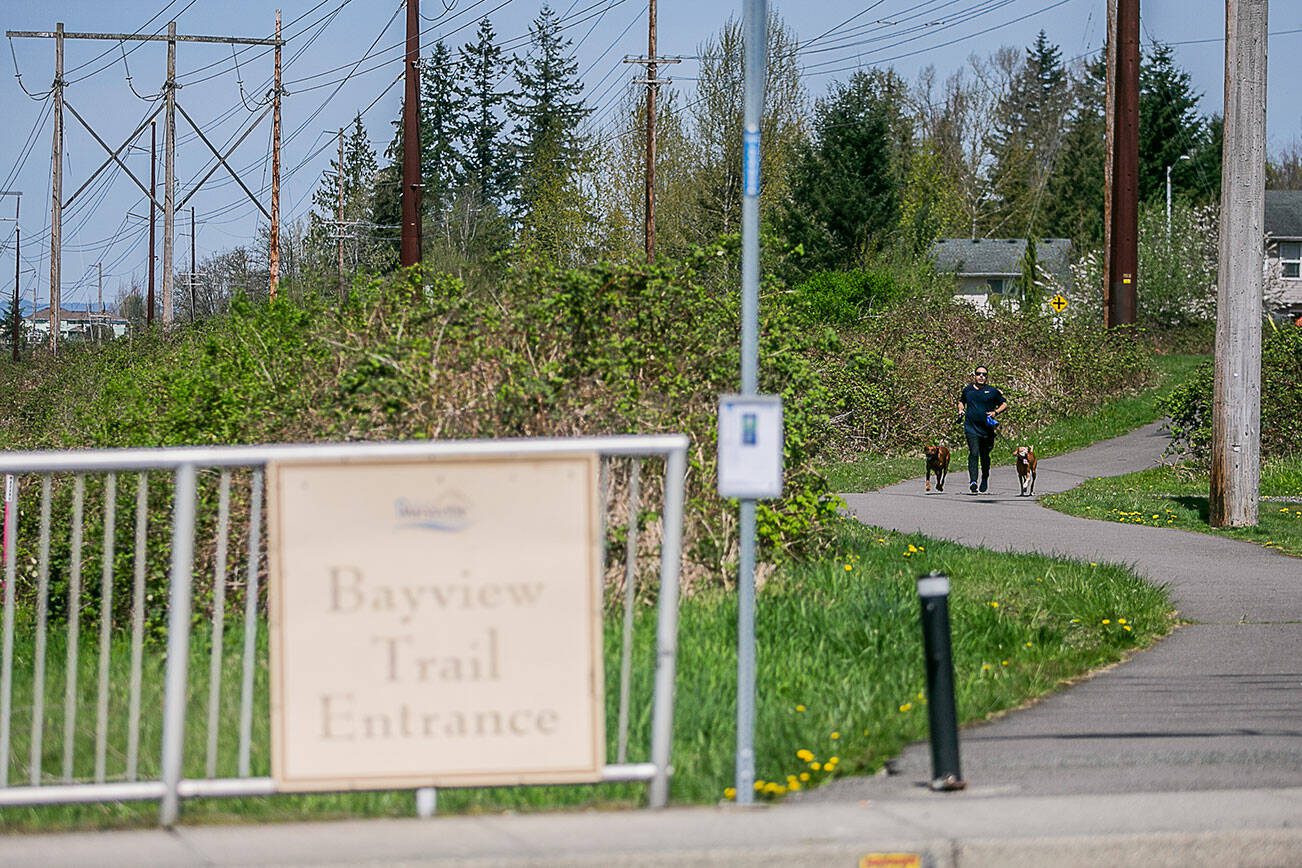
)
(1058, 302)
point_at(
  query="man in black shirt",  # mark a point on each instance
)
(979, 404)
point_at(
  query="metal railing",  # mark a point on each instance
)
(238, 474)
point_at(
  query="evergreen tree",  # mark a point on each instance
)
(440, 124)
(361, 190)
(1169, 128)
(551, 151)
(846, 182)
(1027, 138)
(483, 139)
(1074, 202)
(11, 320)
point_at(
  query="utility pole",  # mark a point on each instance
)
(274, 253)
(169, 176)
(1236, 397)
(56, 195)
(410, 245)
(194, 295)
(15, 333)
(1109, 111)
(652, 84)
(100, 268)
(1123, 128)
(339, 217)
(153, 179)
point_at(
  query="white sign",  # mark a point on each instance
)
(435, 623)
(750, 446)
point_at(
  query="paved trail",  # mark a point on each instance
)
(1216, 706)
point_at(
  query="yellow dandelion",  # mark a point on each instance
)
(835, 736)
(804, 776)
(1028, 645)
(818, 767)
(1075, 620)
(912, 548)
(804, 755)
(1121, 620)
(906, 707)
(793, 785)
(759, 786)
(922, 548)
(831, 761)
(800, 709)
(1107, 620)
(848, 568)
(1003, 663)
(1093, 564)
(986, 667)
(1126, 628)
(729, 793)
(994, 604)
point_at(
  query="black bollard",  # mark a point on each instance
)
(942, 714)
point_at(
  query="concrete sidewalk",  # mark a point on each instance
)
(1241, 827)
(1187, 754)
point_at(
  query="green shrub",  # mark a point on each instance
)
(843, 297)
(1189, 406)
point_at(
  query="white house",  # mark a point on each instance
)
(990, 268)
(1284, 251)
(77, 325)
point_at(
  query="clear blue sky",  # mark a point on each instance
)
(327, 85)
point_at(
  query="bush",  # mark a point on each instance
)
(843, 297)
(1189, 406)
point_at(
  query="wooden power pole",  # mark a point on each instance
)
(1123, 145)
(339, 216)
(273, 255)
(169, 176)
(1236, 397)
(652, 83)
(153, 180)
(56, 196)
(410, 246)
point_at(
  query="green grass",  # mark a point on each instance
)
(1177, 497)
(1112, 419)
(840, 675)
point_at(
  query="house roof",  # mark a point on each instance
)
(998, 257)
(1284, 213)
(67, 315)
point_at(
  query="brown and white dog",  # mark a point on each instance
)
(1026, 469)
(938, 463)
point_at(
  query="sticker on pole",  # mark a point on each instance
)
(750, 162)
(435, 623)
(750, 446)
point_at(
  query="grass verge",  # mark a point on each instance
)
(1110, 420)
(839, 667)
(1177, 497)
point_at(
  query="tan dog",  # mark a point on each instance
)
(1026, 469)
(938, 463)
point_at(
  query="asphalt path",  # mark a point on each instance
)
(1215, 706)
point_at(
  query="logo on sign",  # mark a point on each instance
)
(451, 512)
